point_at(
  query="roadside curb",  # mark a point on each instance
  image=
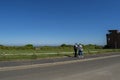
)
(52, 64)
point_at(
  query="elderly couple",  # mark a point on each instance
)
(78, 50)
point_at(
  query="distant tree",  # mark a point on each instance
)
(29, 46)
(1, 45)
(66, 45)
(63, 45)
(107, 47)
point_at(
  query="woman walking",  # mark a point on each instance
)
(80, 51)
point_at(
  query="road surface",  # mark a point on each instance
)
(98, 69)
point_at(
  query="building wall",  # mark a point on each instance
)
(113, 39)
(119, 40)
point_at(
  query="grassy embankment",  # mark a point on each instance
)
(19, 54)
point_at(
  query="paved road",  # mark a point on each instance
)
(101, 69)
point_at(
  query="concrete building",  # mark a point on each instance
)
(113, 39)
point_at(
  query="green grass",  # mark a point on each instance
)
(33, 56)
(6, 55)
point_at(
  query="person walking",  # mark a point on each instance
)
(80, 51)
(75, 49)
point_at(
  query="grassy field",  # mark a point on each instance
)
(6, 55)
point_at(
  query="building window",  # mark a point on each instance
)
(108, 39)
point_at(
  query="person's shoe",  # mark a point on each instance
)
(82, 56)
(78, 56)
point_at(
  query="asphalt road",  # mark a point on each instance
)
(99, 69)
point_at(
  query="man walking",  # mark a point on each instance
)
(75, 49)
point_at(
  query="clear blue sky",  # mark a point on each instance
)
(55, 22)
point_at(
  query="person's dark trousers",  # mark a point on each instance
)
(75, 52)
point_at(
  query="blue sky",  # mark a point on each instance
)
(54, 22)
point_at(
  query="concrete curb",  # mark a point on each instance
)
(52, 64)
